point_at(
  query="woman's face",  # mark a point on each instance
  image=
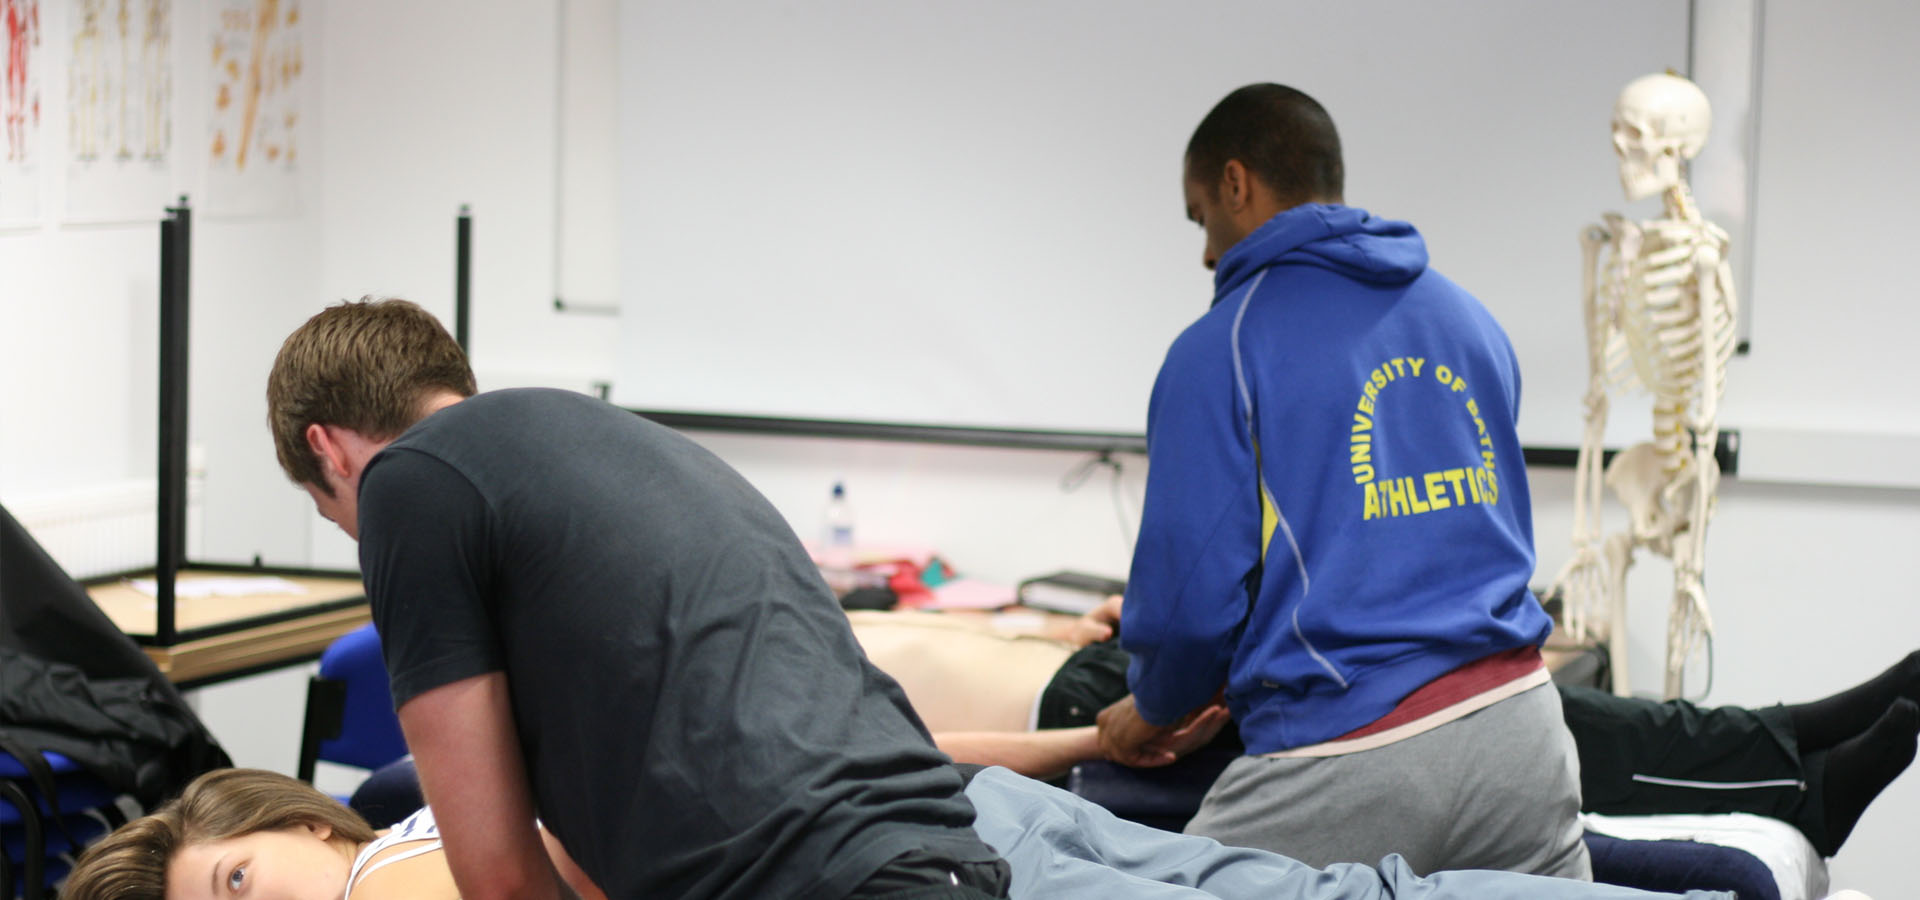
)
(297, 863)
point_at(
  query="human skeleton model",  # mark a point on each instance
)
(1662, 317)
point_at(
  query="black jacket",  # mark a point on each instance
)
(73, 683)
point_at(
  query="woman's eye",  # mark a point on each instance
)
(236, 878)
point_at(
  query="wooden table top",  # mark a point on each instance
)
(294, 625)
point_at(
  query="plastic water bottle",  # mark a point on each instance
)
(835, 556)
(837, 532)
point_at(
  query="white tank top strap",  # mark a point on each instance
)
(428, 845)
(418, 828)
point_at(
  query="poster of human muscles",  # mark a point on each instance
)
(20, 148)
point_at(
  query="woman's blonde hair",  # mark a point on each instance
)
(131, 863)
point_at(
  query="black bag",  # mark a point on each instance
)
(71, 682)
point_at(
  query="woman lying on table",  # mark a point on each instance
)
(1815, 765)
(251, 835)
(247, 833)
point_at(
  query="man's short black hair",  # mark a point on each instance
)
(1284, 137)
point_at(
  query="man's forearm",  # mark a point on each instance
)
(472, 773)
(1035, 754)
(511, 876)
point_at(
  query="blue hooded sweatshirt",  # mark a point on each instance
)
(1336, 507)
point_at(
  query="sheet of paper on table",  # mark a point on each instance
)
(245, 586)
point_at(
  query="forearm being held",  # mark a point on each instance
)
(1035, 754)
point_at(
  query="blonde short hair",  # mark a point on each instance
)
(131, 863)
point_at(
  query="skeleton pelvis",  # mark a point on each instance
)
(1638, 476)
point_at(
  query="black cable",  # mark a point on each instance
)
(1078, 476)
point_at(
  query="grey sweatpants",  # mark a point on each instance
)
(1498, 789)
(1062, 847)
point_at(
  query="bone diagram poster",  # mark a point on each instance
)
(256, 89)
(119, 109)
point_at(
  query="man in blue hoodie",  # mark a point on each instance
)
(1337, 539)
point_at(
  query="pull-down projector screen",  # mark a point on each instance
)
(970, 213)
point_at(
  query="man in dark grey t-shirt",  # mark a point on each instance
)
(590, 618)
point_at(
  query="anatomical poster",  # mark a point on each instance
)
(256, 92)
(20, 150)
(119, 108)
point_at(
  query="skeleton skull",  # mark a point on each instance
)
(1658, 121)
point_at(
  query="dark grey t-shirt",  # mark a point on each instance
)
(696, 716)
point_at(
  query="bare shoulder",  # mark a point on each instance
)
(421, 877)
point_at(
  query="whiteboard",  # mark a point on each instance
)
(1833, 290)
(970, 213)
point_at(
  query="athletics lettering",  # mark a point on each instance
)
(1393, 498)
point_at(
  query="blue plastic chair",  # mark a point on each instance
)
(38, 837)
(350, 718)
(57, 851)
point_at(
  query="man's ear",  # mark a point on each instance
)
(333, 454)
(1236, 187)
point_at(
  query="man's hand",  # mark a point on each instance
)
(1196, 730)
(1127, 739)
(1130, 740)
(1097, 624)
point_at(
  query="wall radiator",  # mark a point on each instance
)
(105, 528)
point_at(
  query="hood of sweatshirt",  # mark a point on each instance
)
(1344, 239)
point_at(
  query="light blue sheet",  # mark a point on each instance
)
(1061, 846)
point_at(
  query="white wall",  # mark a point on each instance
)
(983, 198)
(996, 514)
(1810, 585)
(436, 104)
(77, 347)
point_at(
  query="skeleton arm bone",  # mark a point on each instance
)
(1690, 619)
(1714, 347)
(1579, 582)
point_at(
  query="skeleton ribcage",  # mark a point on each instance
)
(1660, 339)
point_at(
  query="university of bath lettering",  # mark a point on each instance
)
(1390, 496)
